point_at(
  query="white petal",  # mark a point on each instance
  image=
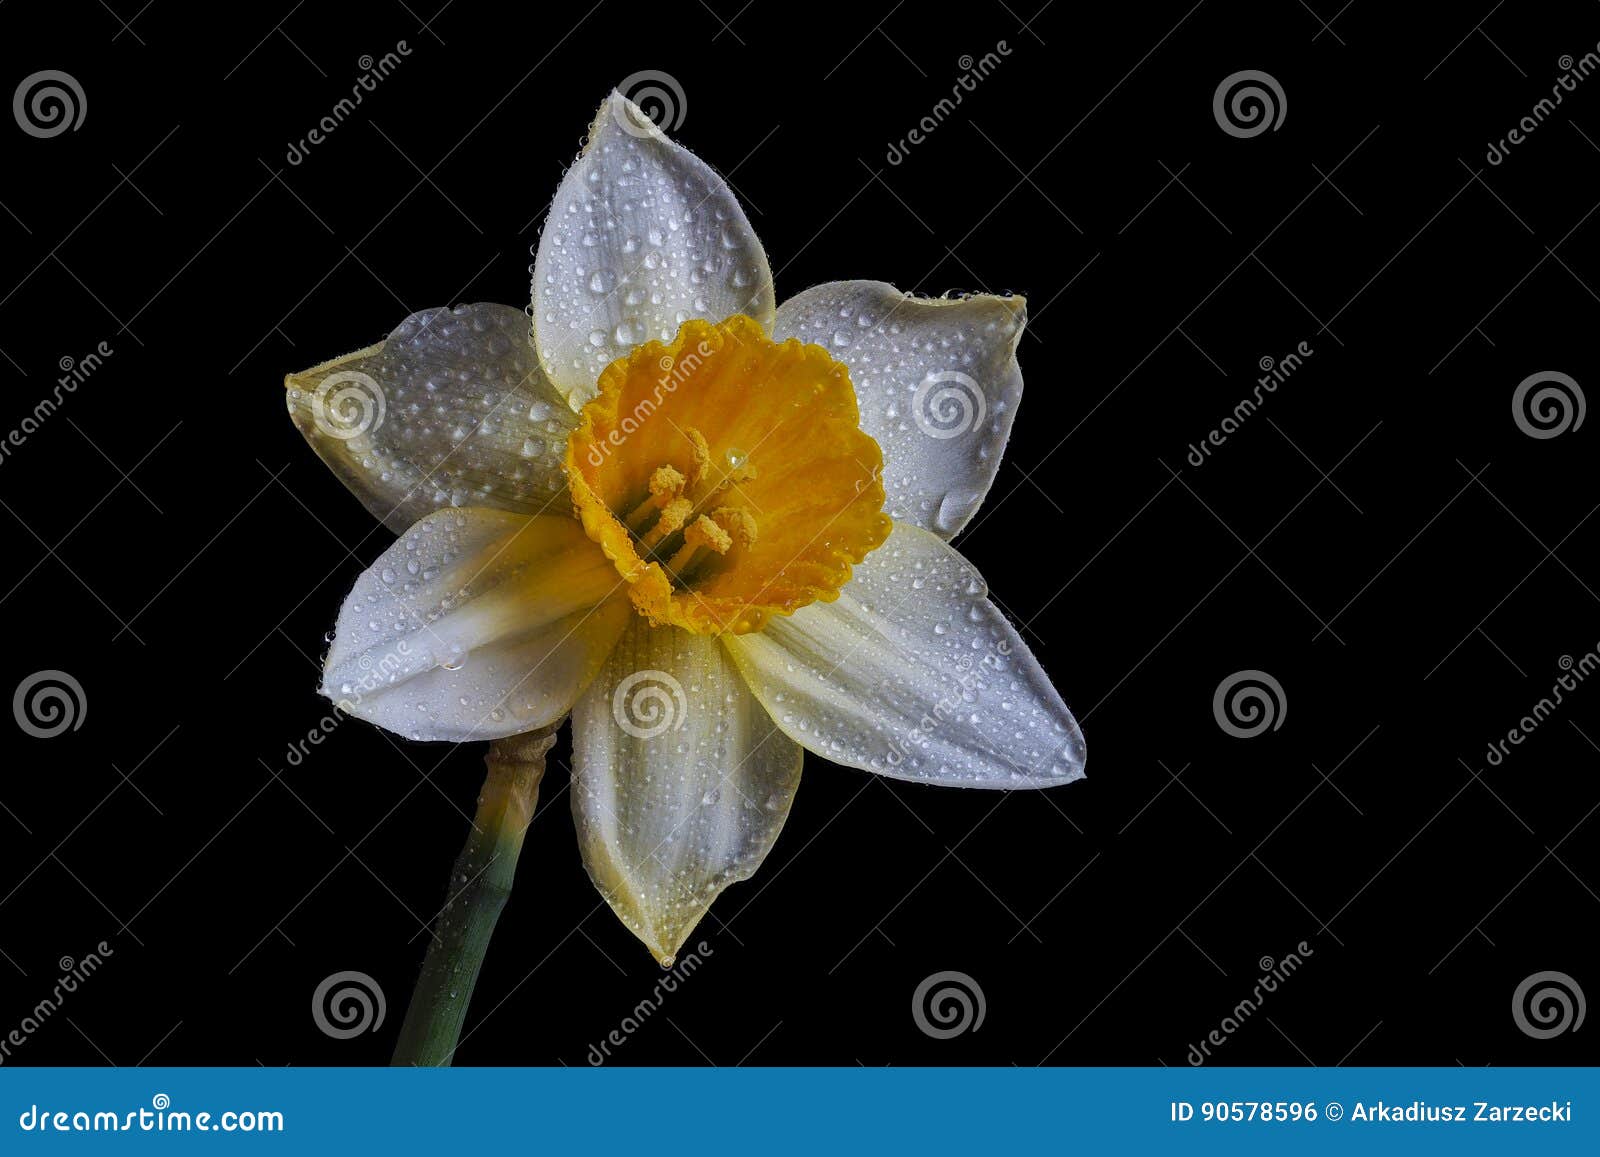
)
(680, 782)
(641, 236)
(938, 385)
(914, 674)
(451, 409)
(475, 624)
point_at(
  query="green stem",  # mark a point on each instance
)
(480, 883)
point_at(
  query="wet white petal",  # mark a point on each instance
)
(475, 624)
(913, 673)
(451, 409)
(938, 385)
(641, 236)
(680, 782)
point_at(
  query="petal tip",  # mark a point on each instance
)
(618, 111)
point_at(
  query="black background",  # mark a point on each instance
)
(1381, 537)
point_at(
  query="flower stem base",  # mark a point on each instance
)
(480, 883)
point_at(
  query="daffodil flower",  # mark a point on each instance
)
(713, 531)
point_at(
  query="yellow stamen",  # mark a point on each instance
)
(673, 515)
(676, 501)
(701, 452)
(740, 525)
(702, 532)
(665, 484)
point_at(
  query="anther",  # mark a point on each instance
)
(666, 483)
(702, 532)
(738, 523)
(701, 453)
(673, 515)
